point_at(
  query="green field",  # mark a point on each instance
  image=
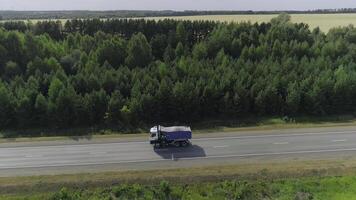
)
(324, 21)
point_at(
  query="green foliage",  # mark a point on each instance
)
(179, 52)
(96, 104)
(139, 51)
(181, 32)
(283, 18)
(55, 88)
(200, 51)
(115, 105)
(169, 54)
(41, 110)
(113, 51)
(6, 106)
(158, 44)
(11, 70)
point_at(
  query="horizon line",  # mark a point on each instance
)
(171, 10)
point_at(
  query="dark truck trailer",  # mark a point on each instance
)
(175, 135)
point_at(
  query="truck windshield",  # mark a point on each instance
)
(153, 134)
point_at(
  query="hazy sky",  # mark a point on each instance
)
(174, 4)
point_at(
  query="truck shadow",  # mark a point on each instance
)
(176, 153)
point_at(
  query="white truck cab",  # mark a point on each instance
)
(153, 134)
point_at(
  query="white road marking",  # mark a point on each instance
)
(225, 146)
(98, 153)
(3, 167)
(33, 156)
(343, 140)
(280, 143)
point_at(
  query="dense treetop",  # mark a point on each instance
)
(130, 72)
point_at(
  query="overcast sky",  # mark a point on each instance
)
(174, 4)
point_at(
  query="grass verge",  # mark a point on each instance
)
(21, 187)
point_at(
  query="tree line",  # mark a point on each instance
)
(126, 73)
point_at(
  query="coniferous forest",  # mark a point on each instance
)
(127, 72)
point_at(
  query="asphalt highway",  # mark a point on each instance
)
(230, 148)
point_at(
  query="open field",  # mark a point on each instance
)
(324, 21)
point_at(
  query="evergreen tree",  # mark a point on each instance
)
(139, 51)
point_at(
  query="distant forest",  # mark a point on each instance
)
(23, 15)
(125, 73)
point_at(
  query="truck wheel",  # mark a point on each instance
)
(185, 143)
(177, 144)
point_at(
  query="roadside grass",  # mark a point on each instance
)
(76, 134)
(208, 126)
(323, 179)
(326, 188)
(89, 137)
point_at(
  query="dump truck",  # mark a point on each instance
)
(176, 135)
